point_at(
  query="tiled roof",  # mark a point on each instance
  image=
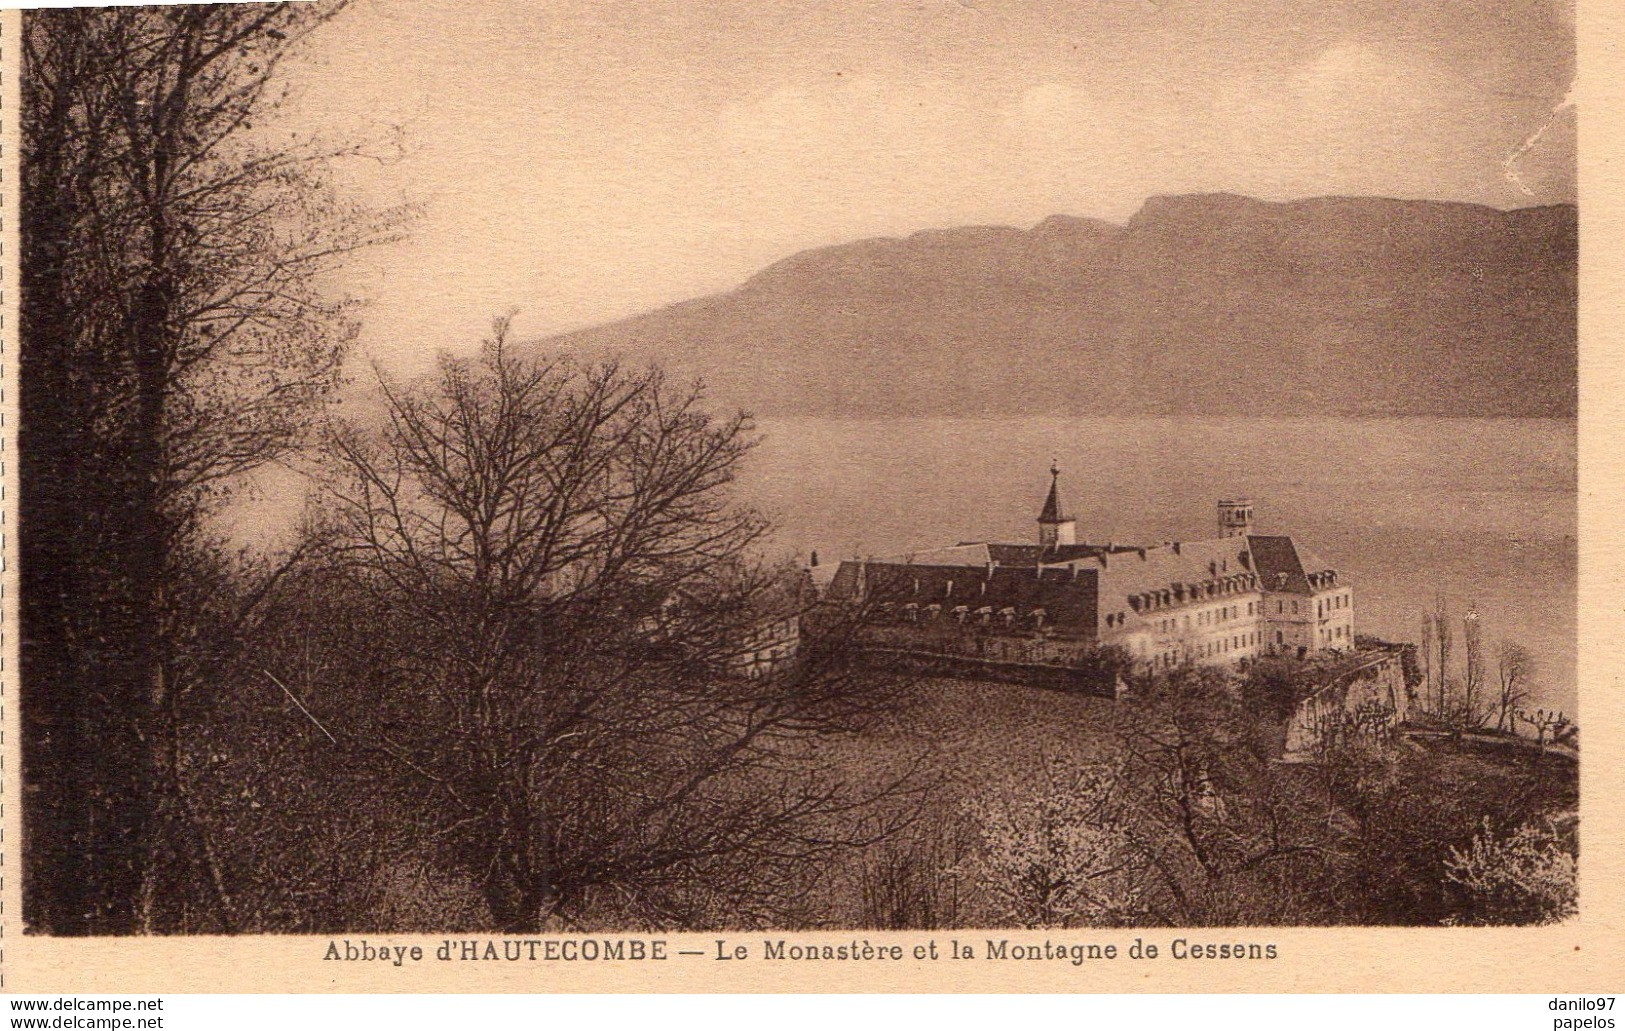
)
(1172, 568)
(1312, 563)
(1074, 583)
(1015, 554)
(1278, 565)
(822, 574)
(843, 585)
(970, 554)
(1068, 599)
(1068, 552)
(1030, 555)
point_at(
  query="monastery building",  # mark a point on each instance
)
(1235, 596)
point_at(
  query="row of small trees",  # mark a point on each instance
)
(1483, 696)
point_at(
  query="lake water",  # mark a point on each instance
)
(1483, 510)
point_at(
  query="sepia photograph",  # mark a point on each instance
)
(603, 469)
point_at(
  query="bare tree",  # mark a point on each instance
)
(1427, 653)
(1443, 638)
(917, 880)
(1515, 668)
(577, 578)
(1211, 824)
(1551, 726)
(1473, 708)
(173, 338)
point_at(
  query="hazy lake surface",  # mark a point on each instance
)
(1484, 510)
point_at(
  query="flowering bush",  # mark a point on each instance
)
(1057, 853)
(1527, 877)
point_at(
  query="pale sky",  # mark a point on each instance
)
(585, 162)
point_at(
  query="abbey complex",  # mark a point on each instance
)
(1023, 610)
(1235, 596)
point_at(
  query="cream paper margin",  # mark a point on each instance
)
(1585, 955)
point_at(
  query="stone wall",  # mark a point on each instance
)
(1368, 691)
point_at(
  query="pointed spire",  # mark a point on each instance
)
(1052, 504)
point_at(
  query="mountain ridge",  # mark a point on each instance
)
(1198, 304)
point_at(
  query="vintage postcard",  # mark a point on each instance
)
(519, 495)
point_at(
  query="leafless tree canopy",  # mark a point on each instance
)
(577, 593)
(174, 338)
(1515, 670)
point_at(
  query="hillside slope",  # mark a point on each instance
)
(1209, 304)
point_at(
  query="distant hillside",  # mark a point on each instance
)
(1210, 304)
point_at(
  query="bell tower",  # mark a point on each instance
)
(1236, 517)
(1055, 529)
